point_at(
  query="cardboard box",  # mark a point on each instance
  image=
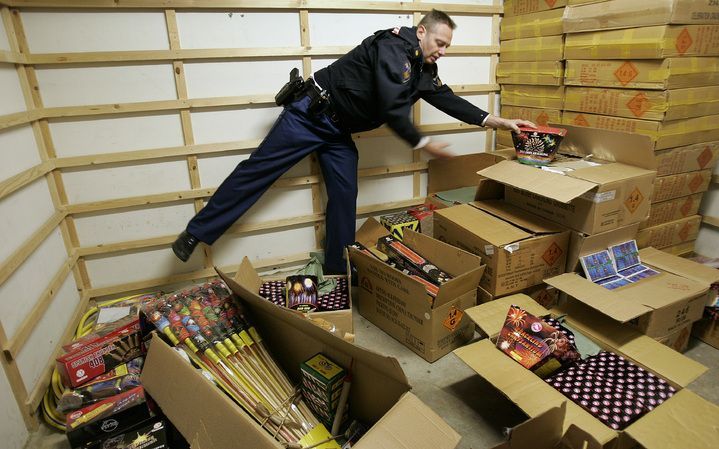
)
(669, 234)
(668, 423)
(661, 74)
(447, 175)
(536, 24)
(400, 305)
(545, 295)
(627, 14)
(544, 48)
(664, 135)
(655, 42)
(519, 249)
(582, 2)
(679, 339)
(518, 7)
(546, 73)
(679, 185)
(380, 396)
(589, 200)
(671, 210)
(644, 104)
(249, 279)
(707, 330)
(688, 158)
(543, 97)
(581, 244)
(682, 249)
(656, 306)
(539, 116)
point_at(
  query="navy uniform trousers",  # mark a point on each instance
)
(295, 134)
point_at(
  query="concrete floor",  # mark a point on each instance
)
(468, 403)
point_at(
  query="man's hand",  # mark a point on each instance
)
(510, 124)
(437, 149)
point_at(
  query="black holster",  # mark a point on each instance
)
(291, 90)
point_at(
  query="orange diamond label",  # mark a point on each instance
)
(634, 200)
(550, 3)
(705, 157)
(454, 317)
(542, 119)
(639, 105)
(684, 233)
(684, 41)
(580, 120)
(686, 207)
(552, 254)
(696, 182)
(625, 73)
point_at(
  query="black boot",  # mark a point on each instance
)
(184, 245)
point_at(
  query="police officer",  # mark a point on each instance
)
(375, 83)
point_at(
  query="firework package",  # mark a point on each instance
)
(537, 146)
(152, 434)
(419, 302)
(211, 417)
(617, 267)
(601, 180)
(626, 390)
(301, 293)
(397, 223)
(322, 384)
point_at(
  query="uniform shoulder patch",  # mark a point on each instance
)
(406, 71)
(436, 81)
(395, 30)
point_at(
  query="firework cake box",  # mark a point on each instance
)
(685, 420)
(401, 306)
(603, 181)
(656, 306)
(380, 395)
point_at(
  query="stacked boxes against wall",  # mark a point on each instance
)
(530, 68)
(651, 67)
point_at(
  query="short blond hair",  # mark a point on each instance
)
(435, 17)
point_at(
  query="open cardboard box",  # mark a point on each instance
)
(683, 421)
(656, 306)
(248, 277)
(519, 249)
(592, 199)
(380, 395)
(400, 305)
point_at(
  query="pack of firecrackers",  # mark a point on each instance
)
(616, 267)
(405, 258)
(397, 223)
(321, 385)
(301, 292)
(96, 391)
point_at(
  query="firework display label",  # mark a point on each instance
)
(598, 266)
(537, 146)
(153, 434)
(301, 293)
(625, 255)
(397, 223)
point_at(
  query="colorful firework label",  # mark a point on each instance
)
(525, 338)
(598, 266)
(537, 146)
(625, 255)
(302, 293)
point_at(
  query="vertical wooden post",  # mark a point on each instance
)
(489, 135)
(417, 120)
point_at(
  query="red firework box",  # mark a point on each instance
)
(97, 356)
(537, 146)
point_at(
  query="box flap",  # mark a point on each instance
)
(247, 276)
(582, 244)
(370, 231)
(491, 315)
(492, 229)
(679, 265)
(518, 216)
(541, 432)
(534, 180)
(607, 145)
(410, 424)
(658, 358)
(684, 421)
(606, 173)
(459, 171)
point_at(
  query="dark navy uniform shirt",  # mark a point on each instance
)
(379, 81)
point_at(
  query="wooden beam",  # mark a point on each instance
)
(11, 57)
(24, 178)
(711, 221)
(17, 386)
(18, 118)
(490, 135)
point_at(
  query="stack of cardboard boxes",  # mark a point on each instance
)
(651, 67)
(530, 68)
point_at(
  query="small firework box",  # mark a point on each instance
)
(152, 434)
(109, 417)
(534, 395)
(537, 146)
(424, 214)
(99, 355)
(322, 381)
(405, 258)
(397, 223)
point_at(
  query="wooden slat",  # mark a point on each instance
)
(384, 207)
(15, 344)
(711, 221)
(19, 391)
(489, 137)
(24, 178)
(11, 57)
(312, 5)
(17, 119)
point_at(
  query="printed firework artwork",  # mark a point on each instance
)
(537, 146)
(598, 266)
(302, 293)
(523, 337)
(625, 255)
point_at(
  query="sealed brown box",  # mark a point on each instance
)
(542, 73)
(676, 209)
(544, 48)
(670, 234)
(660, 74)
(687, 158)
(655, 42)
(639, 13)
(681, 184)
(543, 97)
(536, 24)
(667, 423)
(682, 249)
(539, 116)
(656, 306)
(581, 244)
(677, 340)
(644, 104)
(675, 133)
(591, 199)
(518, 248)
(400, 305)
(209, 419)
(518, 7)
